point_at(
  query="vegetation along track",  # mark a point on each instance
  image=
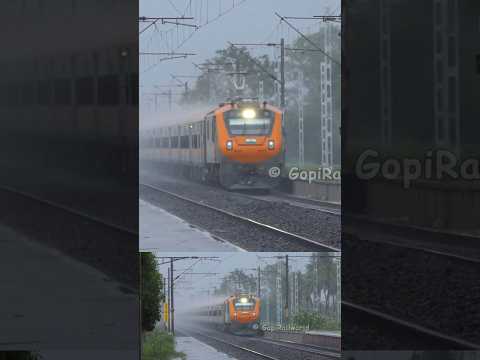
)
(264, 227)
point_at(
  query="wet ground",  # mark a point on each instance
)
(160, 230)
(60, 306)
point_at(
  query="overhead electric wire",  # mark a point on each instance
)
(308, 40)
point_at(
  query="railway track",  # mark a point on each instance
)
(457, 246)
(69, 210)
(275, 231)
(74, 233)
(236, 346)
(306, 348)
(300, 348)
(420, 332)
(296, 201)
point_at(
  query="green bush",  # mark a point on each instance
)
(152, 294)
(159, 345)
(315, 321)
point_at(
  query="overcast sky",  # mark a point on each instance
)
(248, 21)
(194, 287)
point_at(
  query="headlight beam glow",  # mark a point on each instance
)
(249, 113)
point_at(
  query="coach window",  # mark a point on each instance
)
(132, 89)
(28, 95)
(63, 92)
(13, 94)
(84, 88)
(184, 141)
(3, 95)
(108, 90)
(44, 92)
(165, 142)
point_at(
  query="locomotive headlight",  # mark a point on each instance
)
(229, 144)
(243, 300)
(248, 113)
(271, 144)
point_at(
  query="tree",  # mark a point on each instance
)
(217, 85)
(151, 291)
(237, 281)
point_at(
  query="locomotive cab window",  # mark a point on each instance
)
(244, 304)
(249, 122)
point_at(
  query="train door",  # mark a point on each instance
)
(226, 319)
(214, 139)
(204, 141)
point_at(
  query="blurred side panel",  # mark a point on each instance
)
(69, 178)
(410, 174)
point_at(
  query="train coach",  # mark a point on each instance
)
(238, 314)
(236, 144)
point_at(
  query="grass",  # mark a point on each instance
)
(159, 345)
(315, 321)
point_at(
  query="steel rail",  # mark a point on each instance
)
(291, 200)
(308, 348)
(259, 354)
(68, 210)
(409, 231)
(272, 229)
(412, 327)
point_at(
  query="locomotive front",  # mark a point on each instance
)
(244, 314)
(251, 143)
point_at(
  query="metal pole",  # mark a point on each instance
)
(282, 73)
(301, 137)
(171, 298)
(258, 289)
(168, 301)
(286, 288)
(140, 306)
(165, 300)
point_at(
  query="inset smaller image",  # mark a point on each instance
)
(238, 305)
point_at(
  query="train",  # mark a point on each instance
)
(239, 314)
(235, 145)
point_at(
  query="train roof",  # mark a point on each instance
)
(189, 116)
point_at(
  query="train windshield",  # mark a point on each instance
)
(244, 304)
(260, 124)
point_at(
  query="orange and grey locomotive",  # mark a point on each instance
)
(235, 144)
